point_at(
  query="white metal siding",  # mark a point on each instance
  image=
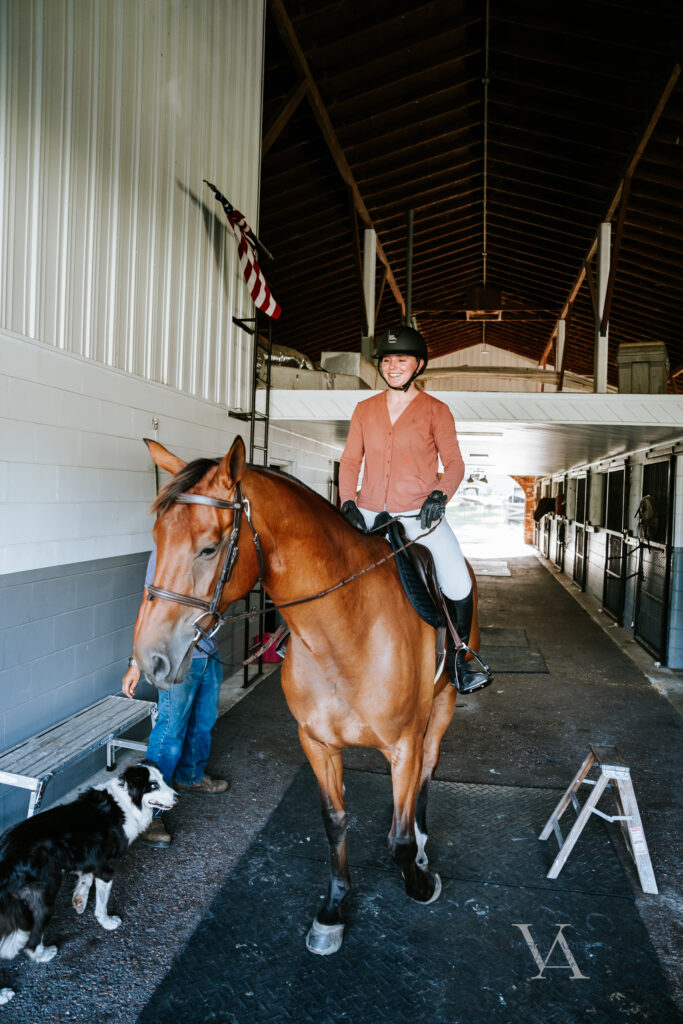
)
(76, 480)
(112, 112)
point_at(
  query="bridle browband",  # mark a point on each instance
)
(239, 505)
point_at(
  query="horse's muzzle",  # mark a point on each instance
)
(163, 670)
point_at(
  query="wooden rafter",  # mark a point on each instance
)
(616, 200)
(291, 42)
(283, 116)
(357, 260)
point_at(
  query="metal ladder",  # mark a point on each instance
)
(616, 774)
(260, 327)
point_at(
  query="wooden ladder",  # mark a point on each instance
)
(613, 772)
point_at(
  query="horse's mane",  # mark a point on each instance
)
(194, 471)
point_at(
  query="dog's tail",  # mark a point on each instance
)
(16, 921)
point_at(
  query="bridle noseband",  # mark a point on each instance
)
(239, 505)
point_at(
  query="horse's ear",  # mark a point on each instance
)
(163, 458)
(232, 466)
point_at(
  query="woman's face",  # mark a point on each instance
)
(398, 369)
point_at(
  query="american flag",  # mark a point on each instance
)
(253, 275)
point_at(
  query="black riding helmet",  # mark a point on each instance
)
(404, 341)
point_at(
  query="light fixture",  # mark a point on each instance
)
(483, 479)
(470, 479)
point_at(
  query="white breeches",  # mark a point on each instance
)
(451, 568)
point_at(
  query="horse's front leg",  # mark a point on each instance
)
(327, 931)
(421, 884)
(439, 720)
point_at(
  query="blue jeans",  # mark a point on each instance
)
(181, 739)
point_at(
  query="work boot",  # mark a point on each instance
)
(206, 785)
(156, 834)
(466, 676)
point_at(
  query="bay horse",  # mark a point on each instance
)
(360, 664)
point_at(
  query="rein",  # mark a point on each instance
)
(240, 505)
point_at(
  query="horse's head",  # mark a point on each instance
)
(193, 542)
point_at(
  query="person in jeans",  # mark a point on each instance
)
(181, 738)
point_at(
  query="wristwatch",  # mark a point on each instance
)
(132, 663)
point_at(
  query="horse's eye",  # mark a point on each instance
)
(207, 552)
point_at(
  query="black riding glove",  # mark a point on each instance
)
(350, 511)
(434, 508)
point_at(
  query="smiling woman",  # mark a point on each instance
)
(402, 434)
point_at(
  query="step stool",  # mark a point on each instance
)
(613, 772)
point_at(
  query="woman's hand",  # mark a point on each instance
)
(433, 508)
(350, 511)
(130, 680)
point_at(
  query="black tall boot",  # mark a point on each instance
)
(466, 676)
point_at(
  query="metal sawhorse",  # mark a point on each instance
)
(613, 772)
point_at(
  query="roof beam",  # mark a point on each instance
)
(283, 116)
(621, 193)
(289, 38)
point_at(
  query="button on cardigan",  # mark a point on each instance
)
(401, 459)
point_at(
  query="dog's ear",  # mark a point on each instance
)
(134, 780)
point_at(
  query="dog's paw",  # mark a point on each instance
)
(79, 902)
(110, 923)
(5, 995)
(42, 954)
(79, 899)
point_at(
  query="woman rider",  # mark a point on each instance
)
(401, 433)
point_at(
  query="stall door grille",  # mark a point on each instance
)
(580, 555)
(613, 595)
(545, 536)
(560, 544)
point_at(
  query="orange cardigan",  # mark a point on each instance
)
(401, 459)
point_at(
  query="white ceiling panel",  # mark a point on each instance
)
(519, 434)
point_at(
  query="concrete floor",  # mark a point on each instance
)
(524, 730)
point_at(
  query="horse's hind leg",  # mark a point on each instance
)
(439, 720)
(327, 931)
(421, 884)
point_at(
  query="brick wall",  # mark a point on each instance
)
(527, 483)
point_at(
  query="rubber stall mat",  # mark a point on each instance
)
(509, 650)
(461, 960)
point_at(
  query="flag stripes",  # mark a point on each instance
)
(253, 275)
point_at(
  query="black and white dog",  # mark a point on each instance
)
(86, 836)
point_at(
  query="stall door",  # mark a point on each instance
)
(580, 535)
(614, 586)
(654, 570)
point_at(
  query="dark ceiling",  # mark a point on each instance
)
(579, 94)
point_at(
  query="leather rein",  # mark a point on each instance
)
(241, 505)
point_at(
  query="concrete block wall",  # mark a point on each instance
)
(65, 634)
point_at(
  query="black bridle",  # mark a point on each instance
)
(240, 505)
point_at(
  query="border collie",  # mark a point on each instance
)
(86, 836)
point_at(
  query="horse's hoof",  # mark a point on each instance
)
(437, 889)
(324, 939)
(435, 895)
